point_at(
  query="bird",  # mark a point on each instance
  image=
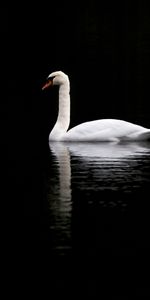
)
(102, 130)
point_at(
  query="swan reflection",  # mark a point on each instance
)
(101, 150)
(102, 165)
(87, 170)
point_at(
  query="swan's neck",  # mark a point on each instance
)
(63, 119)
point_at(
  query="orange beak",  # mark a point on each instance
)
(47, 84)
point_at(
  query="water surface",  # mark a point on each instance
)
(97, 198)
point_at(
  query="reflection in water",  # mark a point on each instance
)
(89, 169)
(60, 199)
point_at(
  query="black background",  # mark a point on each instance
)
(104, 48)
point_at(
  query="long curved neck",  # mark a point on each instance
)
(63, 119)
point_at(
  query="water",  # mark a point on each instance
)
(96, 197)
(87, 218)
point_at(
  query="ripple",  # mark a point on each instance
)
(87, 177)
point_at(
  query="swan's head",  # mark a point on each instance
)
(55, 78)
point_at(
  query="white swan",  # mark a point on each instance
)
(104, 130)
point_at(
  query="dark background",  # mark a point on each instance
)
(104, 47)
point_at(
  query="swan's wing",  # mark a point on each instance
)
(87, 135)
(141, 136)
(105, 130)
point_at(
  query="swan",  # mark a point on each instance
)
(103, 130)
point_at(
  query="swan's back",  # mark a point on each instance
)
(106, 130)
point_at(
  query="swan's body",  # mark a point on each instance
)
(93, 131)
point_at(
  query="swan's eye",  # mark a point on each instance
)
(51, 78)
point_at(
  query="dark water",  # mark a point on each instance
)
(97, 198)
(89, 204)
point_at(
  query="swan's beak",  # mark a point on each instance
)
(47, 84)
